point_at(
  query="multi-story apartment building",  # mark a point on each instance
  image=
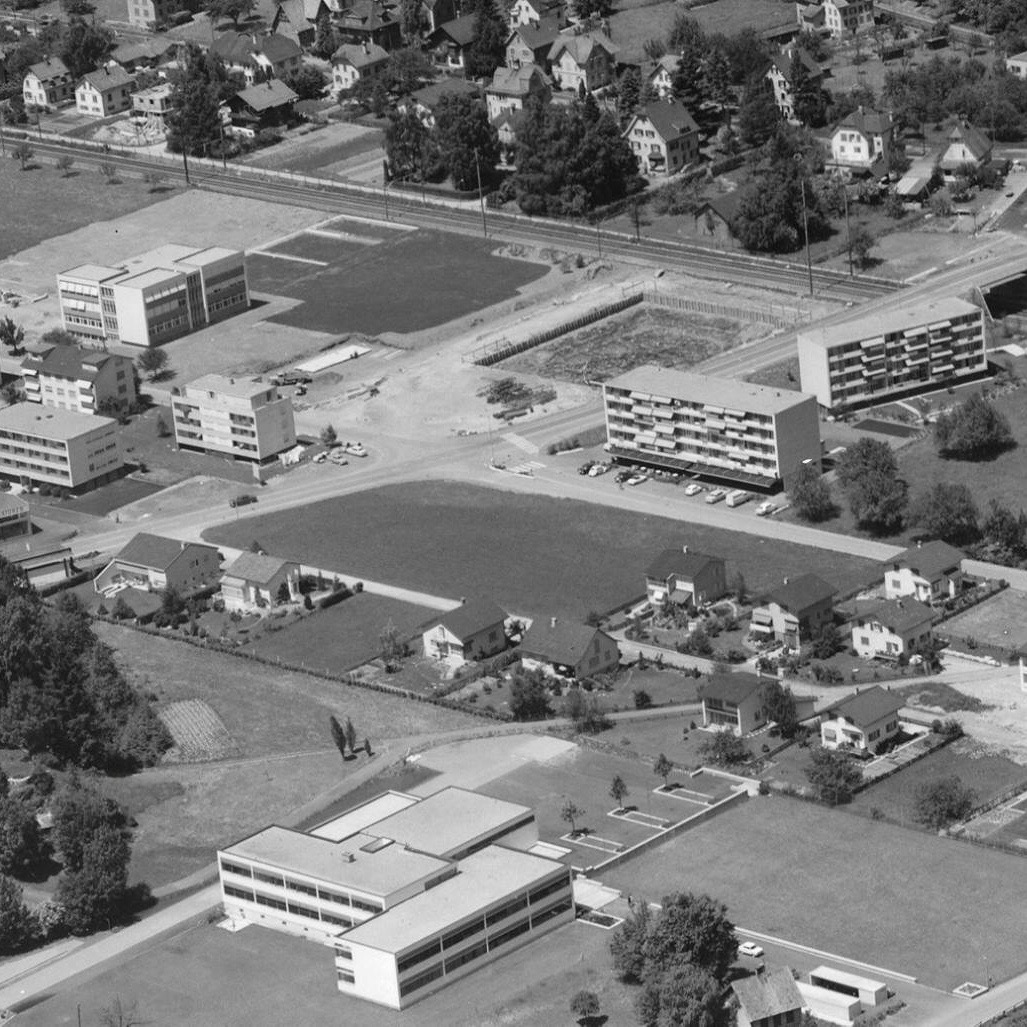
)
(78, 379)
(46, 446)
(151, 14)
(409, 893)
(155, 297)
(729, 431)
(925, 346)
(240, 417)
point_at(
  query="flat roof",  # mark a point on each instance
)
(151, 276)
(377, 873)
(485, 878)
(844, 977)
(208, 255)
(240, 388)
(873, 325)
(50, 422)
(93, 272)
(349, 823)
(160, 256)
(700, 388)
(446, 821)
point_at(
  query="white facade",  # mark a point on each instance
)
(105, 92)
(891, 629)
(47, 85)
(1017, 65)
(148, 14)
(847, 17)
(73, 379)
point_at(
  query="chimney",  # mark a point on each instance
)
(684, 549)
(552, 622)
(861, 110)
(785, 581)
(183, 547)
(919, 543)
(366, 48)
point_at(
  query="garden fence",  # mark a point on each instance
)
(778, 316)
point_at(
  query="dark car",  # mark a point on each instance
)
(244, 500)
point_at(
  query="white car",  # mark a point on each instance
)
(637, 479)
(355, 449)
(694, 489)
(765, 509)
(596, 469)
(716, 495)
(750, 948)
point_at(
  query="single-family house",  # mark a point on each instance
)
(510, 89)
(586, 60)
(106, 91)
(154, 103)
(426, 99)
(569, 650)
(661, 78)
(355, 61)
(781, 77)
(1017, 65)
(810, 17)
(530, 44)
(370, 21)
(298, 20)
(685, 575)
(265, 105)
(146, 54)
(47, 84)
(663, 137)
(861, 722)
(965, 147)
(473, 631)
(795, 611)
(733, 702)
(535, 12)
(449, 42)
(155, 562)
(929, 571)
(845, 18)
(890, 628)
(254, 581)
(507, 125)
(715, 217)
(769, 998)
(861, 142)
(258, 57)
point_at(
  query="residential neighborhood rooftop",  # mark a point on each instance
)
(802, 592)
(471, 617)
(266, 95)
(157, 551)
(865, 706)
(898, 615)
(929, 559)
(223, 385)
(563, 642)
(767, 994)
(50, 422)
(685, 563)
(670, 118)
(734, 687)
(255, 567)
(70, 362)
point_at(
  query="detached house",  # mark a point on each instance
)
(733, 702)
(535, 12)
(152, 14)
(355, 61)
(147, 54)
(586, 61)
(663, 137)
(258, 57)
(154, 563)
(779, 74)
(890, 628)
(661, 78)
(965, 146)
(266, 105)
(450, 41)
(298, 19)
(565, 649)
(795, 611)
(510, 89)
(78, 379)
(369, 21)
(861, 722)
(530, 44)
(1017, 65)
(685, 576)
(861, 141)
(845, 18)
(153, 104)
(928, 571)
(105, 91)
(255, 581)
(425, 100)
(47, 84)
(769, 998)
(473, 631)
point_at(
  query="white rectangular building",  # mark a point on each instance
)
(244, 418)
(726, 430)
(49, 446)
(870, 359)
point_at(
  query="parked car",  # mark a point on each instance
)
(596, 469)
(622, 476)
(737, 497)
(765, 509)
(244, 500)
(637, 479)
(716, 495)
(586, 467)
(355, 449)
(693, 489)
(750, 948)
(320, 458)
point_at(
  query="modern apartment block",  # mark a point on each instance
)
(244, 418)
(408, 893)
(929, 345)
(155, 297)
(724, 430)
(45, 446)
(78, 379)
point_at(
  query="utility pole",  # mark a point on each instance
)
(385, 193)
(848, 230)
(805, 222)
(3, 145)
(481, 195)
(185, 160)
(221, 134)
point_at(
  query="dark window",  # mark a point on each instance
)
(235, 868)
(239, 893)
(420, 980)
(419, 955)
(501, 939)
(474, 952)
(548, 889)
(462, 933)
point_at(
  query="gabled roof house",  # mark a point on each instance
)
(567, 649)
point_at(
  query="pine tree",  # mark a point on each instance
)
(351, 736)
(338, 735)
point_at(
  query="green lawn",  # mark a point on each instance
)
(534, 555)
(40, 202)
(939, 909)
(1000, 621)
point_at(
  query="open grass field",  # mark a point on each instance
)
(40, 202)
(1001, 621)
(667, 734)
(939, 909)
(782, 375)
(641, 335)
(346, 295)
(989, 776)
(306, 154)
(534, 555)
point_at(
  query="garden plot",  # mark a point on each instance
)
(199, 733)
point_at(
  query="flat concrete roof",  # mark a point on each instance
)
(873, 326)
(844, 977)
(50, 422)
(151, 276)
(210, 255)
(93, 272)
(357, 819)
(160, 256)
(377, 873)
(700, 388)
(448, 820)
(487, 877)
(238, 388)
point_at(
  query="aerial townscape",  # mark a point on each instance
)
(513, 512)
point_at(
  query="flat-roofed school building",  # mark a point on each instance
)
(408, 893)
(928, 345)
(156, 297)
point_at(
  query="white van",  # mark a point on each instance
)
(738, 497)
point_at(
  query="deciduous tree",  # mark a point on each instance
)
(973, 430)
(618, 790)
(467, 140)
(22, 848)
(779, 705)
(487, 48)
(152, 362)
(585, 1006)
(834, 776)
(409, 147)
(811, 495)
(572, 812)
(11, 335)
(945, 510)
(682, 994)
(94, 895)
(724, 749)
(85, 45)
(868, 474)
(627, 946)
(943, 801)
(690, 929)
(18, 926)
(663, 767)
(529, 696)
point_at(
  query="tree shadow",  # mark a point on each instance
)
(593, 1021)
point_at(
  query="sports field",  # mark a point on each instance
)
(534, 555)
(942, 910)
(396, 282)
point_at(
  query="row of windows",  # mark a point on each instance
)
(281, 881)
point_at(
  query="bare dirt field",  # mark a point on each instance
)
(641, 335)
(313, 152)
